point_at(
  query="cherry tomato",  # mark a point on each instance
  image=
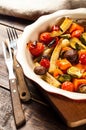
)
(68, 86)
(45, 63)
(55, 28)
(82, 58)
(45, 37)
(35, 48)
(76, 33)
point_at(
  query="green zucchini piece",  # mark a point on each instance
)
(65, 36)
(75, 43)
(74, 72)
(83, 38)
(64, 77)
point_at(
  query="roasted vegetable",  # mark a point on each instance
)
(63, 64)
(45, 62)
(45, 37)
(63, 27)
(57, 72)
(65, 43)
(82, 88)
(40, 70)
(83, 38)
(71, 55)
(74, 72)
(68, 86)
(35, 48)
(75, 27)
(51, 80)
(54, 57)
(75, 43)
(78, 82)
(65, 36)
(82, 57)
(64, 77)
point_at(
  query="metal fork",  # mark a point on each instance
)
(23, 90)
(25, 94)
(17, 108)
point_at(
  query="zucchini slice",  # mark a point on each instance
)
(63, 27)
(55, 56)
(83, 38)
(75, 43)
(74, 72)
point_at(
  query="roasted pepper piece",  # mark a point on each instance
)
(63, 64)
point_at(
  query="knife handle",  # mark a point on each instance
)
(16, 103)
(23, 89)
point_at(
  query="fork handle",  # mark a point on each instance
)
(23, 89)
(17, 107)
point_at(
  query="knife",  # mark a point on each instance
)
(16, 104)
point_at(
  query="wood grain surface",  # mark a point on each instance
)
(59, 112)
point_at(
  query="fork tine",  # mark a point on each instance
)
(9, 34)
(15, 33)
(12, 34)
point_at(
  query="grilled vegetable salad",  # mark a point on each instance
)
(59, 55)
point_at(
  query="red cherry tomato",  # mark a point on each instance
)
(55, 28)
(76, 33)
(45, 37)
(68, 86)
(82, 58)
(45, 63)
(36, 48)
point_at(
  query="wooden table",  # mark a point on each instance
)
(39, 116)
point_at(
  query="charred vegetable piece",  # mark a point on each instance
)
(83, 38)
(82, 88)
(65, 36)
(47, 52)
(51, 80)
(52, 42)
(64, 77)
(74, 72)
(75, 42)
(72, 56)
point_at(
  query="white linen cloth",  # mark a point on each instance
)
(32, 9)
